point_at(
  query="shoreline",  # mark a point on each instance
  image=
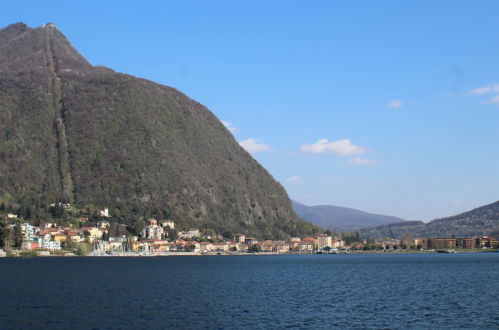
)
(198, 254)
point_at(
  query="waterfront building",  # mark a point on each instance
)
(266, 246)
(48, 244)
(250, 241)
(239, 238)
(323, 240)
(440, 243)
(28, 232)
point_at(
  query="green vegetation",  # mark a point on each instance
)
(478, 222)
(70, 132)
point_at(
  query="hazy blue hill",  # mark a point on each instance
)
(341, 218)
(480, 221)
(73, 132)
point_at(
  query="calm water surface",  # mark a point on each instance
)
(315, 291)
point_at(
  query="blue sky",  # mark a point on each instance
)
(386, 106)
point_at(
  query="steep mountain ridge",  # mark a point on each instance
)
(73, 132)
(341, 218)
(483, 220)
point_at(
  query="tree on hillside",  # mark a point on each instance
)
(18, 235)
(4, 233)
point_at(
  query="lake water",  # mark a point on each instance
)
(255, 292)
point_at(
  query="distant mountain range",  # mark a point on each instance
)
(341, 218)
(480, 221)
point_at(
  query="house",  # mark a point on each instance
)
(100, 246)
(48, 244)
(65, 206)
(194, 232)
(221, 247)
(191, 233)
(206, 247)
(487, 242)
(281, 247)
(116, 246)
(440, 243)
(59, 237)
(250, 241)
(310, 240)
(27, 245)
(239, 238)
(337, 243)
(306, 246)
(46, 225)
(103, 213)
(266, 246)
(73, 236)
(168, 223)
(160, 246)
(91, 232)
(103, 224)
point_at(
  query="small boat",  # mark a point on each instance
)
(446, 251)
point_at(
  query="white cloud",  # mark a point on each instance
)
(229, 126)
(395, 104)
(493, 100)
(486, 90)
(294, 180)
(251, 145)
(361, 161)
(340, 147)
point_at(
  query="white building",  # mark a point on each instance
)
(323, 240)
(153, 231)
(48, 244)
(193, 232)
(104, 213)
(168, 223)
(28, 232)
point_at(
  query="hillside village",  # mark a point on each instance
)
(98, 236)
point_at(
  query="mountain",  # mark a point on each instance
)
(90, 136)
(341, 218)
(480, 221)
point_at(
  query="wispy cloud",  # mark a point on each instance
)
(294, 180)
(229, 126)
(361, 161)
(251, 145)
(486, 90)
(395, 104)
(340, 148)
(493, 100)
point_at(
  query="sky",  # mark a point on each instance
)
(389, 107)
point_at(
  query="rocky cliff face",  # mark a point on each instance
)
(73, 132)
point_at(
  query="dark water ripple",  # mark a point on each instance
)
(257, 292)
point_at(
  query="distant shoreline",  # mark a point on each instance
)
(197, 254)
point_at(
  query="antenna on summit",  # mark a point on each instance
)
(48, 26)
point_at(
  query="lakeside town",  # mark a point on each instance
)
(161, 237)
